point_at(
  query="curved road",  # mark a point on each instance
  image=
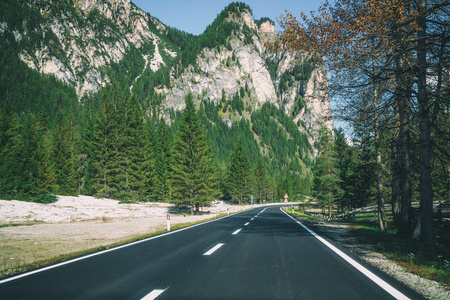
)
(259, 254)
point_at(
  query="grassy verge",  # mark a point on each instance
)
(64, 257)
(299, 213)
(408, 252)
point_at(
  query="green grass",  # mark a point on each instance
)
(64, 257)
(299, 213)
(408, 252)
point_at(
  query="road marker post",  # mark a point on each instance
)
(168, 222)
(228, 211)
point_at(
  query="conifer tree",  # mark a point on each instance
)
(326, 173)
(41, 166)
(64, 156)
(260, 176)
(238, 173)
(163, 154)
(131, 145)
(103, 148)
(193, 177)
(13, 160)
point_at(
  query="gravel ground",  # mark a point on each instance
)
(339, 232)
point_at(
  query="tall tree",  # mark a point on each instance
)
(260, 177)
(103, 147)
(194, 176)
(326, 174)
(163, 153)
(65, 156)
(238, 172)
(132, 150)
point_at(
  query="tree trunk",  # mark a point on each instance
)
(395, 170)
(402, 94)
(426, 195)
(381, 214)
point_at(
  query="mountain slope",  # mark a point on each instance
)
(79, 41)
(277, 100)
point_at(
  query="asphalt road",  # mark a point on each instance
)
(257, 254)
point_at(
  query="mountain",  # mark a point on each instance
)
(88, 43)
(58, 60)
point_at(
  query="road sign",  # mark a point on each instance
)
(251, 199)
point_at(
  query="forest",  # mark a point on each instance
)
(105, 146)
(388, 63)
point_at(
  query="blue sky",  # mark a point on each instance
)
(194, 15)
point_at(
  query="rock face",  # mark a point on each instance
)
(88, 37)
(79, 42)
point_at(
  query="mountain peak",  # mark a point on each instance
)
(240, 13)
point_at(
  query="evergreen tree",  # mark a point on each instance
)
(260, 176)
(41, 166)
(65, 156)
(131, 149)
(103, 148)
(238, 173)
(326, 174)
(194, 177)
(163, 153)
(346, 164)
(13, 160)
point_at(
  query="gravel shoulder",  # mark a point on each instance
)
(340, 233)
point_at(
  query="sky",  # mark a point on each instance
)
(194, 16)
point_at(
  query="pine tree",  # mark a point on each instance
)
(163, 153)
(238, 173)
(103, 148)
(41, 166)
(131, 145)
(13, 161)
(260, 176)
(326, 173)
(65, 157)
(193, 174)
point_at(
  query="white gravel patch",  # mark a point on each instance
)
(85, 208)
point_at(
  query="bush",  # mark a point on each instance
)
(47, 199)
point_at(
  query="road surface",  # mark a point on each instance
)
(259, 254)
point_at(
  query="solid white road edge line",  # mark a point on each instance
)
(211, 251)
(237, 231)
(154, 294)
(246, 223)
(380, 282)
(108, 250)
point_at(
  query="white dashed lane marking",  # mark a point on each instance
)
(237, 231)
(211, 251)
(153, 295)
